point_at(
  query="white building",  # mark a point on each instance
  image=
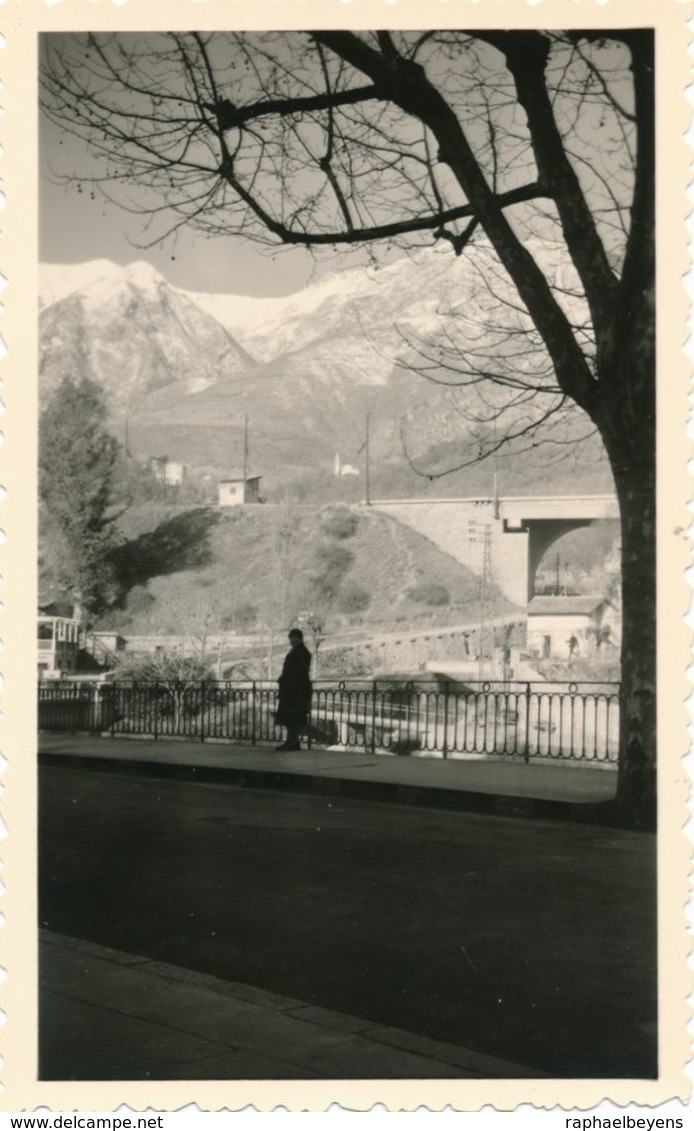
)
(174, 473)
(341, 469)
(104, 646)
(562, 627)
(236, 490)
(167, 471)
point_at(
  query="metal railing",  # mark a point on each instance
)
(561, 721)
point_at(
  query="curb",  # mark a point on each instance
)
(493, 804)
(472, 1064)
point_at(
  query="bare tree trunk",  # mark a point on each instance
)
(628, 431)
(636, 790)
(177, 705)
(627, 426)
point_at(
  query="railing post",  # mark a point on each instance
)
(253, 703)
(155, 706)
(202, 710)
(114, 707)
(526, 756)
(373, 716)
(445, 722)
(95, 709)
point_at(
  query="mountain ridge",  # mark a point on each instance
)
(307, 369)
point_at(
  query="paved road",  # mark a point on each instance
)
(531, 941)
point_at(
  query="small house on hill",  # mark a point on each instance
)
(237, 489)
(562, 627)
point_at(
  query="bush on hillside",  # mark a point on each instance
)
(429, 593)
(245, 617)
(140, 600)
(340, 523)
(331, 563)
(334, 559)
(353, 598)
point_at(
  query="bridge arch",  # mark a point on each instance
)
(542, 534)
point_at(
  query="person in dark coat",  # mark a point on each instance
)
(294, 700)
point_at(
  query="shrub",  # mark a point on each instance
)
(429, 593)
(331, 565)
(335, 559)
(245, 617)
(354, 598)
(140, 600)
(340, 523)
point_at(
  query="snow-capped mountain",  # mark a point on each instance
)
(186, 367)
(374, 308)
(359, 310)
(58, 280)
(131, 331)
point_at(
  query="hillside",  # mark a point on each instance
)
(252, 566)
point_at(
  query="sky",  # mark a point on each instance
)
(75, 227)
(78, 224)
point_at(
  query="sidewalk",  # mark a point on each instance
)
(121, 1016)
(577, 792)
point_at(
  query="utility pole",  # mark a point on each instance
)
(125, 456)
(367, 461)
(367, 484)
(245, 454)
(485, 586)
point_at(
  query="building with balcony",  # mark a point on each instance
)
(58, 646)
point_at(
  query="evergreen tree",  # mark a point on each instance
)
(77, 464)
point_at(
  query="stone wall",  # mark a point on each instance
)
(410, 654)
(458, 528)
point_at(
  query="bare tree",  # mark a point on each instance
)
(316, 620)
(176, 679)
(508, 141)
(180, 669)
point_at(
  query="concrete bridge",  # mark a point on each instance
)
(518, 530)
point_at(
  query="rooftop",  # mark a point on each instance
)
(236, 475)
(565, 606)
